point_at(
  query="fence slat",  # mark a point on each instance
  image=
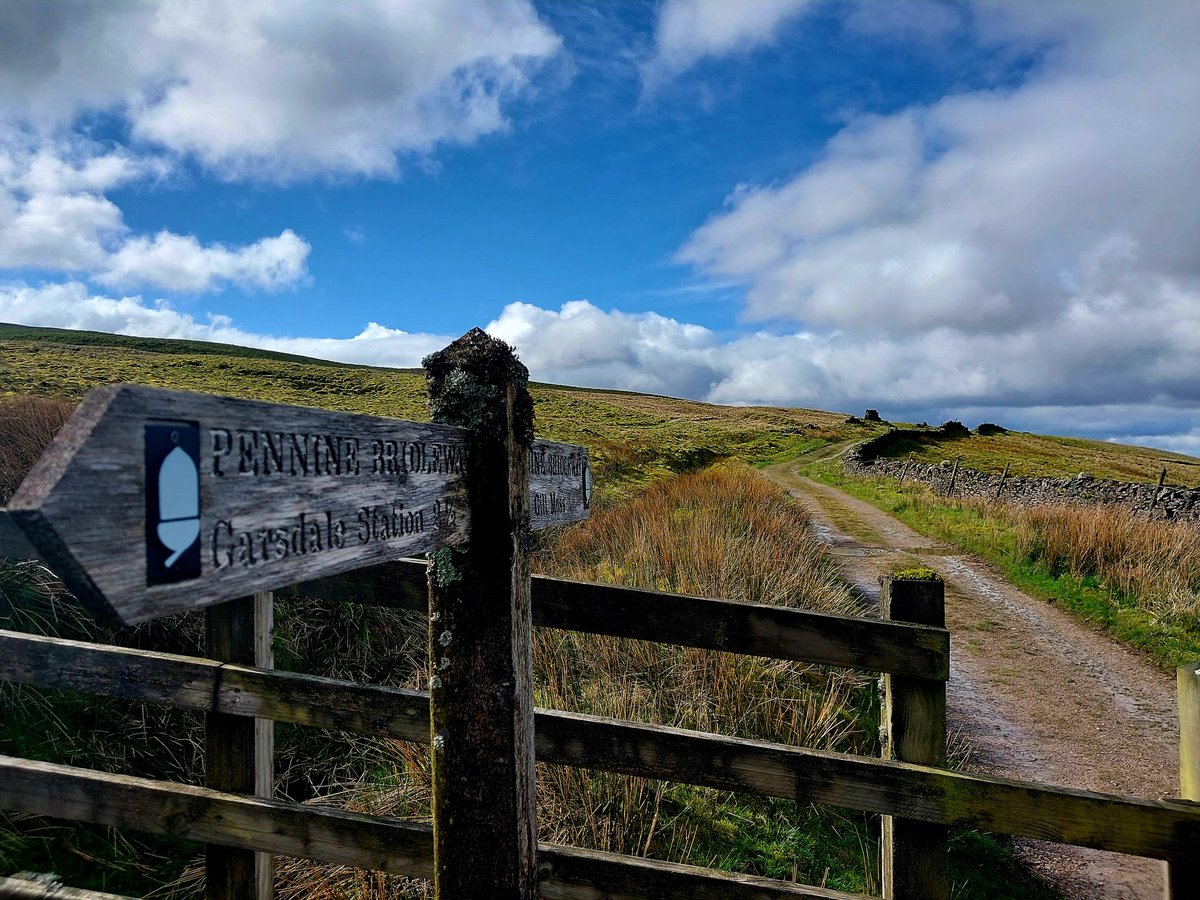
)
(27, 889)
(729, 625)
(1182, 875)
(238, 750)
(350, 839)
(913, 853)
(1157, 829)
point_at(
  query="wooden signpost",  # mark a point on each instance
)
(151, 502)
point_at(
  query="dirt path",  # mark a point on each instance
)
(1035, 695)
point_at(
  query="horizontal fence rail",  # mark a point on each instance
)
(29, 889)
(1159, 829)
(875, 645)
(351, 839)
(754, 629)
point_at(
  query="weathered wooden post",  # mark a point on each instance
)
(238, 751)
(953, 477)
(904, 471)
(1162, 477)
(480, 624)
(1183, 875)
(1003, 478)
(913, 854)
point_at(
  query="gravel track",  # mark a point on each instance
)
(1033, 694)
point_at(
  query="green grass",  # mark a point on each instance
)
(634, 439)
(1029, 454)
(1170, 642)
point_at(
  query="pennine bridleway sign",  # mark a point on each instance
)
(151, 502)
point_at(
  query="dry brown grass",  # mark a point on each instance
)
(725, 532)
(27, 424)
(1156, 562)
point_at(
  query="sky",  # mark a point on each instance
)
(983, 211)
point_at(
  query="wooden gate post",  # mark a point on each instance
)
(480, 624)
(238, 751)
(913, 854)
(1182, 876)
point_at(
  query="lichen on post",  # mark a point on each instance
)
(480, 678)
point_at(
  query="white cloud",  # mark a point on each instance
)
(935, 377)
(180, 263)
(54, 216)
(583, 345)
(72, 305)
(690, 30)
(249, 88)
(1035, 245)
(274, 90)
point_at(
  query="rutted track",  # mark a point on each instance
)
(1035, 695)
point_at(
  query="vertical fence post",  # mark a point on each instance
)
(1183, 875)
(953, 477)
(238, 751)
(480, 624)
(1003, 478)
(1162, 477)
(913, 854)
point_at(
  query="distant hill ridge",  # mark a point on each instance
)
(10, 332)
(634, 438)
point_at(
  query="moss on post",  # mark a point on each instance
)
(480, 624)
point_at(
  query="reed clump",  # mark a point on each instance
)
(1155, 563)
(27, 425)
(724, 532)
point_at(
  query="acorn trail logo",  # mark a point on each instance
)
(172, 502)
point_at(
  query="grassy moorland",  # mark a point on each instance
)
(1047, 455)
(720, 531)
(634, 439)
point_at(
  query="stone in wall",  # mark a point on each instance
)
(1174, 502)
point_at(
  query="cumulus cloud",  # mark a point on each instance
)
(1034, 245)
(273, 90)
(249, 88)
(690, 30)
(54, 216)
(180, 263)
(583, 345)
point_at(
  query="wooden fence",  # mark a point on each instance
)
(482, 605)
(921, 800)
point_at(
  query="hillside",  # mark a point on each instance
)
(634, 438)
(1040, 455)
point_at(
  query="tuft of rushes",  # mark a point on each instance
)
(27, 425)
(1156, 562)
(724, 532)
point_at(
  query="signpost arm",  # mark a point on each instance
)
(238, 750)
(480, 623)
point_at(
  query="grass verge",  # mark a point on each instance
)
(1137, 580)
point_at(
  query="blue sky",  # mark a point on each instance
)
(982, 211)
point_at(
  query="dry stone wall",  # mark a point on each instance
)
(1173, 501)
